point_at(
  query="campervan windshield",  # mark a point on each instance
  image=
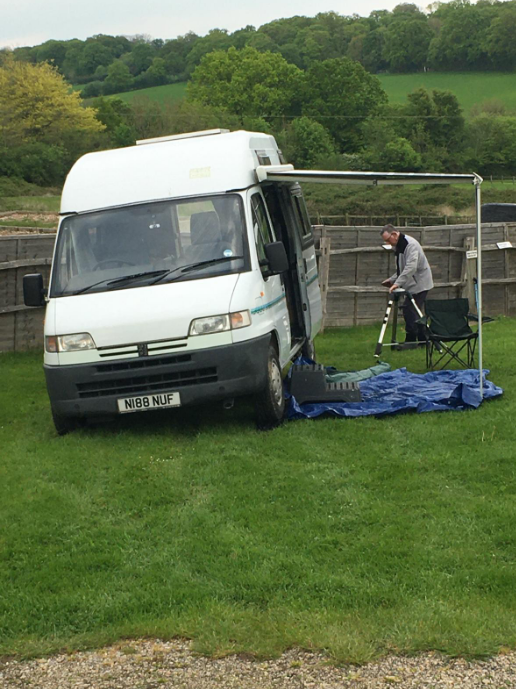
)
(151, 243)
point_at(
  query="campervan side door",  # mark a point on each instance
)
(306, 261)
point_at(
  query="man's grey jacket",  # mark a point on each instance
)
(413, 270)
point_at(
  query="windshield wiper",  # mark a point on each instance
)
(195, 266)
(120, 279)
(147, 273)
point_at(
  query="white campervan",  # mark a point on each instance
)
(178, 278)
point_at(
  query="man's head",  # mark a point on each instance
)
(390, 235)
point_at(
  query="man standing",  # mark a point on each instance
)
(413, 274)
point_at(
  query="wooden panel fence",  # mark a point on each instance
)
(352, 264)
(21, 327)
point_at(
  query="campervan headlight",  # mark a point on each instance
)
(69, 343)
(218, 324)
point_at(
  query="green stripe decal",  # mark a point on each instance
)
(269, 305)
(312, 279)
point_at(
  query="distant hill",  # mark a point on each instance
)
(470, 87)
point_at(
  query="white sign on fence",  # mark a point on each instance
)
(471, 254)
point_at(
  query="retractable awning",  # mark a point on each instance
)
(287, 173)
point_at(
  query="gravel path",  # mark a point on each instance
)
(157, 664)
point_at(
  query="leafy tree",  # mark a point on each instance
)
(305, 142)
(140, 58)
(36, 104)
(459, 42)
(247, 83)
(118, 78)
(406, 40)
(491, 145)
(92, 89)
(52, 51)
(117, 117)
(499, 40)
(241, 37)
(216, 39)
(399, 156)
(340, 95)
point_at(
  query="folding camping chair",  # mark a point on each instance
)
(448, 333)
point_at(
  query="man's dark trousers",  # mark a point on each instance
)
(414, 331)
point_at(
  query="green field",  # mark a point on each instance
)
(469, 87)
(355, 536)
(162, 94)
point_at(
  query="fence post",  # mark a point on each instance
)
(324, 271)
(468, 273)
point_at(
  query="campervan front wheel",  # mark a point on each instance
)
(270, 402)
(64, 424)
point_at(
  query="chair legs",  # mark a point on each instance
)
(460, 351)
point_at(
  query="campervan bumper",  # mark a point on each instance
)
(92, 390)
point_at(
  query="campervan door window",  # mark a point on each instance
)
(302, 220)
(261, 229)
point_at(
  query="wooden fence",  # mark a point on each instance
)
(352, 264)
(21, 327)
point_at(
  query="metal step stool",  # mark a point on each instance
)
(308, 384)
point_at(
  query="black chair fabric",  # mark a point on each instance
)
(449, 333)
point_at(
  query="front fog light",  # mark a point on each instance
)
(211, 324)
(75, 343)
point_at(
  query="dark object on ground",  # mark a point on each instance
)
(449, 333)
(308, 384)
(498, 212)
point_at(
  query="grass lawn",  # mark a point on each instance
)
(358, 536)
(469, 87)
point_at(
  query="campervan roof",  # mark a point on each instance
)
(170, 167)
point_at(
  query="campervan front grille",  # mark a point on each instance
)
(143, 362)
(145, 384)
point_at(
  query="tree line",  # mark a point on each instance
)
(333, 115)
(451, 36)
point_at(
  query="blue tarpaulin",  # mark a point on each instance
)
(401, 391)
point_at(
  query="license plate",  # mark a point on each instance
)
(160, 400)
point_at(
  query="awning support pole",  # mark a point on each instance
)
(478, 182)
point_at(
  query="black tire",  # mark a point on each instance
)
(64, 424)
(270, 402)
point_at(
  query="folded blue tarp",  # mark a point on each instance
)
(401, 391)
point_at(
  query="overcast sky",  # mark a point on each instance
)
(30, 22)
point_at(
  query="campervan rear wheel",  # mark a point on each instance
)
(64, 424)
(270, 402)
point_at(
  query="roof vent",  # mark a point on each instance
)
(176, 137)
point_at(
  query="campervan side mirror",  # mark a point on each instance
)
(33, 291)
(276, 258)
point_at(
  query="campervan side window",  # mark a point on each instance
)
(261, 228)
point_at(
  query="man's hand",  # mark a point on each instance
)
(393, 288)
(386, 283)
